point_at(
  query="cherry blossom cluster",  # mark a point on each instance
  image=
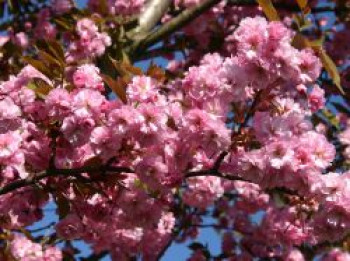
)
(167, 137)
(90, 43)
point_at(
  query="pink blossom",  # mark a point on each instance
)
(58, 102)
(8, 109)
(142, 89)
(310, 66)
(251, 36)
(91, 42)
(320, 151)
(87, 103)
(87, 76)
(77, 129)
(9, 144)
(280, 154)
(316, 98)
(166, 223)
(104, 142)
(203, 191)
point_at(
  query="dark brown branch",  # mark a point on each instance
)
(214, 173)
(59, 172)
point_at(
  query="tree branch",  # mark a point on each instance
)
(152, 14)
(59, 172)
(172, 26)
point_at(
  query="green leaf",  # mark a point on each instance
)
(140, 185)
(331, 68)
(40, 87)
(269, 10)
(331, 118)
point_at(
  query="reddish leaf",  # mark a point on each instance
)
(157, 73)
(116, 86)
